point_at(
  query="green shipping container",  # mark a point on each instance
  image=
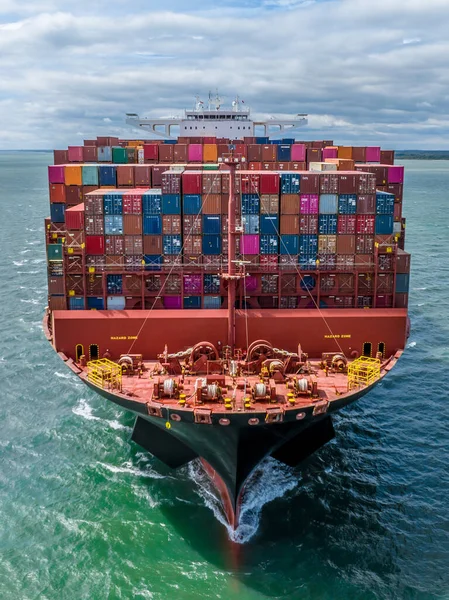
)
(54, 252)
(90, 175)
(119, 155)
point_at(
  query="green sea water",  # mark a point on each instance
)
(85, 514)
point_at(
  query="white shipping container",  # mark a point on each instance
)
(322, 166)
(328, 204)
(116, 302)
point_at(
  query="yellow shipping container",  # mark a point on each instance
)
(210, 153)
(73, 175)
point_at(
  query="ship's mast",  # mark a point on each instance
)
(231, 257)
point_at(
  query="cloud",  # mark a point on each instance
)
(366, 73)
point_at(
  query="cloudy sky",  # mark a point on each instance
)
(366, 71)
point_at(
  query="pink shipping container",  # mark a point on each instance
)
(298, 153)
(365, 224)
(395, 174)
(372, 154)
(330, 152)
(56, 174)
(309, 204)
(195, 153)
(172, 302)
(346, 224)
(193, 284)
(249, 244)
(251, 283)
(151, 152)
(75, 153)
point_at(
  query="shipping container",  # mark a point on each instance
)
(113, 225)
(327, 224)
(57, 193)
(250, 244)
(308, 244)
(57, 212)
(125, 175)
(309, 204)
(104, 153)
(289, 224)
(310, 183)
(107, 175)
(269, 244)
(250, 224)
(384, 203)
(94, 224)
(250, 204)
(113, 203)
(346, 244)
(56, 174)
(328, 204)
(290, 183)
(211, 224)
(211, 244)
(327, 244)
(152, 262)
(347, 204)
(366, 204)
(269, 183)
(95, 245)
(269, 224)
(384, 224)
(171, 204)
(289, 244)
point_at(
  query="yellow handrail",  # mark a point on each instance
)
(105, 373)
(363, 371)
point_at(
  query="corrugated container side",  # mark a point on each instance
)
(346, 244)
(289, 224)
(328, 204)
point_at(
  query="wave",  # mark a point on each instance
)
(84, 410)
(270, 480)
(128, 469)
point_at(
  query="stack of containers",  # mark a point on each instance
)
(152, 229)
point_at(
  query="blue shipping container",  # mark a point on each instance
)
(104, 154)
(113, 225)
(262, 140)
(212, 301)
(290, 183)
(402, 283)
(288, 141)
(211, 224)
(308, 282)
(329, 204)
(307, 262)
(171, 244)
(269, 224)
(113, 204)
(347, 204)
(152, 262)
(191, 204)
(171, 204)
(108, 175)
(289, 244)
(192, 301)
(90, 174)
(57, 212)
(95, 303)
(384, 225)
(251, 224)
(211, 284)
(284, 152)
(384, 203)
(152, 224)
(269, 244)
(212, 244)
(250, 204)
(152, 204)
(327, 224)
(76, 303)
(308, 244)
(114, 284)
(170, 141)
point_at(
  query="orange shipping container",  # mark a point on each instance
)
(212, 204)
(345, 152)
(290, 204)
(57, 192)
(73, 175)
(210, 153)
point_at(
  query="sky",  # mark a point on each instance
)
(366, 71)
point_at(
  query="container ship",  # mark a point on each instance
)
(232, 291)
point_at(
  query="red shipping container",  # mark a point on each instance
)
(156, 174)
(346, 244)
(56, 174)
(366, 183)
(60, 157)
(74, 218)
(269, 153)
(365, 224)
(132, 225)
(397, 190)
(250, 183)
(211, 182)
(269, 261)
(289, 225)
(254, 153)
(57, 192)
(193, 245)
(308, 224)
(401, 300)
(364, 262)
(86, 189)
(346, 224)
(297, 166)
(166, 152)
(398, 211)
(152, 244)
(142, 176)
(125, 175)
(255, 166)
(402, 262)
(329, 183)
(222, 148)
(90, 154)
(73, 194)
(387, 157)
(192, 182)
(75, 153)
(151, 152)
(193, 225)
(298, 153)
(95, 245)
(366, 205)
(269, 183)
(364, 244)
(180, 153)
(359, 154)
(114, 244)
(347, 184)
(171, 182)
(310, 183)
(132, 203)
(133, 244)
(171, 224)
(313, 155)
(94, 224)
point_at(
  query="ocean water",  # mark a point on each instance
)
(85, 514)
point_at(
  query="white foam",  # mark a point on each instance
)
(129, 469)
(83, 409)
(19, 263)
(411, 345)
(271, 480)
